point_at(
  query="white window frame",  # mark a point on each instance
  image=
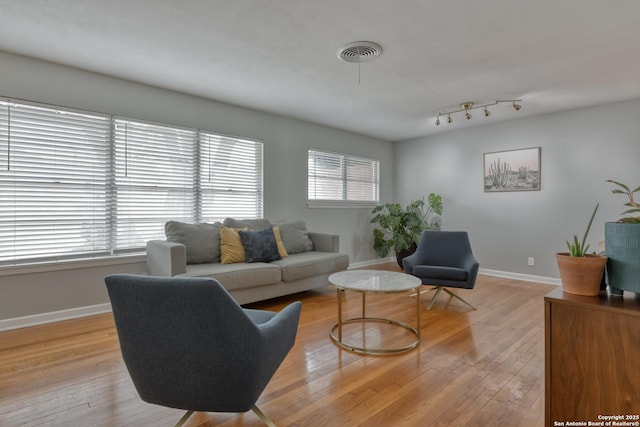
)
(344, 180)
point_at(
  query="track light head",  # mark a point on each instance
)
(449, 119)
(438, 120)
(487, 113)
(516, 106)
(468, 115)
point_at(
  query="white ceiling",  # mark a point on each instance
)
(280, 55)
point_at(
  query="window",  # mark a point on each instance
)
(155, 180)
(341, 179)
(53, 182)
(230, 178)
(78, 184)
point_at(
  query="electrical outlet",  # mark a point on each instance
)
(530, 261)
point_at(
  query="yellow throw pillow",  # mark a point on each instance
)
(281, 249)
(231, 249)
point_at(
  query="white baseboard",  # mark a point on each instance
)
(520, 276)
(55, 316)
(371, 262)
(485, 271)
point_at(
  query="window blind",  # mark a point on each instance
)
(155, 180)
(230, 177)
(52, 182)
(78, 184)
(340, 177)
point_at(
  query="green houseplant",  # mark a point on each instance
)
(576, 248)
(622, 245)
(581, 273)
(400, 228)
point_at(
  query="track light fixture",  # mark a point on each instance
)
(466, 107)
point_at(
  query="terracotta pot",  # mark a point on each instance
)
(581, 275)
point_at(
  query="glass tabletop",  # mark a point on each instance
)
(374, 281)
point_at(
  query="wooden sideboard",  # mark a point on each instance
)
(592, 358)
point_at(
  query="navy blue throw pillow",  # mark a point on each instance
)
(260, 245)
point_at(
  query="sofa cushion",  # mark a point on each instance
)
(237, 276)
(201, 241)
(260, 245)
(231, 249)
(251, 224)
(295, 237)
(307, 264)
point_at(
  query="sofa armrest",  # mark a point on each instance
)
(325, 242)
(166, 258)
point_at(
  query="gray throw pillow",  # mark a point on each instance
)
(295, 237)
(202, 241)
(251, 224)
(260, 245)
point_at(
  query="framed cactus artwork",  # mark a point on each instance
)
(512, 170)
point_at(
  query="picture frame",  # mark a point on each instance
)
(512, 170)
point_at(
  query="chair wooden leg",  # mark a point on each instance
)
(438, 290)
(255, 409)
(262, 416)
(184, 418)
(453, 294)
(413, 295)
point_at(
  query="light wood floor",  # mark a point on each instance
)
(472, 368)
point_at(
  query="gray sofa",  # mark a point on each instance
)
(194, 250)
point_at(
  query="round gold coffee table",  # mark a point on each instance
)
(378, 282)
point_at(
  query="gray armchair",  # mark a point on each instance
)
(444, 260)
(187, 344)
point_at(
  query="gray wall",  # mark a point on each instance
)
(26, 292)
(580, 150)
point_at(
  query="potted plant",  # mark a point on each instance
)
(581, 273)
(401, 228)
(622, 245)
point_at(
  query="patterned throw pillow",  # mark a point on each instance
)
(260, 245)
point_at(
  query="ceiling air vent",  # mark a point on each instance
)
(357, 52)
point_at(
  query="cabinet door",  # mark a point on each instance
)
(594, 363)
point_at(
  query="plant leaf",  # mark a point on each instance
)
(619, 184)
(435, 203)
(584, 238)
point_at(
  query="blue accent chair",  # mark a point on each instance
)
(444, 260)
(188, 345)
